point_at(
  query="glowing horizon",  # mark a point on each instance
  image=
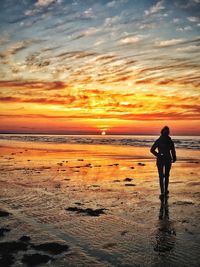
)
(88, 67)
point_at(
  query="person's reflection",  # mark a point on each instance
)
(165, 235)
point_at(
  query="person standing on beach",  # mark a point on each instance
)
(165, 154)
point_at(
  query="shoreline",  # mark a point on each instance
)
(135, 152)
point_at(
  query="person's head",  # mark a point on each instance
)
(165, 131)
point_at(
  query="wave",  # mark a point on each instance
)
(192, 142)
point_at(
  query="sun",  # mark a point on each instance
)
(103, 133)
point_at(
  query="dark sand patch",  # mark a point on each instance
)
(128, 179)
(109, 245)
(35, 259)
(4, 213)
(141, 164)
(176, 182)
(130, 184)
(78, 203)
(88, 211)
(193, 183)
(3, 231)
(6, 260)
(25, 238)
(12, 247)
(164, 247)
(124, 232)
(184, 202)
(197, 194)
(88, 165)
(53, 248)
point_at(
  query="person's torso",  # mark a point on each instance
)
(165, 146)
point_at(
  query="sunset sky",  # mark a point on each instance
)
(84, 66)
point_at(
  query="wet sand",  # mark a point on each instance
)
(96, 205)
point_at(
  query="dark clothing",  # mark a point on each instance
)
(164, 167)
(165, 147)
(165, 155)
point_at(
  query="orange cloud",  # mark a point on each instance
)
(55, 106)
(33, 84)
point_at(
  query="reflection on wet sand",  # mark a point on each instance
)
(166, 234)
(99, 202)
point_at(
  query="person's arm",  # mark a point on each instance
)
(173, 152)
(153, 149)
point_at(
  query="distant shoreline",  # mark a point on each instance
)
(186, 142)
(93, 134)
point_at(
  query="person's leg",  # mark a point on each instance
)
(160, 167)
(167, 173)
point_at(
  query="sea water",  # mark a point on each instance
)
(186, 142)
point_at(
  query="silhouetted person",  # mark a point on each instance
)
(165, 154)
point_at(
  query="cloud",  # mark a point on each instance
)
(129, 116)
(12, 84)
(176, 20)
(191, 48)
(89, 32)
(193, 19)
(190, 78)
(186, 3)
(111, 3)
(155, 9)
(40, 5)
(148, 26)
(166, 43)
(14, 48)
(145, 81)
(130, 40)
(165, 82)
(115, 3)
(89, 13)
(99, 41)
(9, 99)
(189, 107)
(77, 54)
(8, 58)
(111, 21)
(4, 40)
(86, 63)
(69, 99)
(183, 29)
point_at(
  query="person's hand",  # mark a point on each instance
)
(174, 160)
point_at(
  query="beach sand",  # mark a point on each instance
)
(96, 205)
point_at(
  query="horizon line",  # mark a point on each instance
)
(98, 134)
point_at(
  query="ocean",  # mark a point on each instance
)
(186, 142)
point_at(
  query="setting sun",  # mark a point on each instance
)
(103, 133)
